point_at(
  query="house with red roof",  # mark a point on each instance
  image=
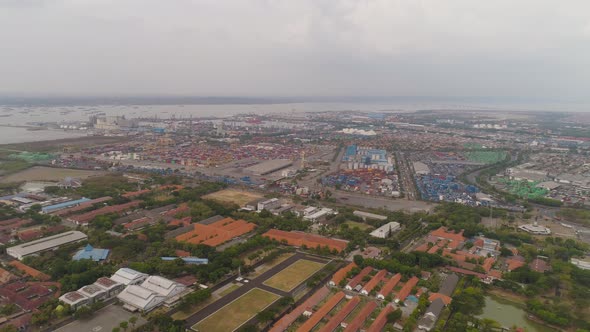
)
(406, 289)
(341, 274)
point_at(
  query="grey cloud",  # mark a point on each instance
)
(531, 48)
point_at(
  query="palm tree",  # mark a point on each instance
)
(124, 325)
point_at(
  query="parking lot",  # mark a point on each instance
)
(103, 320)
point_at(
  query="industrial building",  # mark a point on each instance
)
(138, 298)
(92, 253)
(152, 293)
(74, 299)
(367, 215)
(127, 276)
(269, 204)
(45, 244)
(386, 230)
(269, 166)
(433, 311)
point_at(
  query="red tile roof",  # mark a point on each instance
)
(321, 313)
(30, 271)
(87, 217)
(446, 299)
(359, 277)
(135, 193)
(359, 319)
(341, 274)
(5, 276)
(514, 263)
(289, 318)
(374, 281)
(455, 238)
(381, 320)
(311, 241)
(216, 233)
(390, 285)
(488, 263)
(335, 321)
(466, 272)
(405, 291)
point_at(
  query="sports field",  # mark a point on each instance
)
(238, 312)
(238, 197)
(360, 225)
(293, 275)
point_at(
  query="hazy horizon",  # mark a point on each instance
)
(529, 50)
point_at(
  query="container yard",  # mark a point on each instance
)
(365, 180)
(445, 188)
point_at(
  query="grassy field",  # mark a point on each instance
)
(40, 173)
(238, 312)
(268, 265)
(293, 275)
(238, 197)
(228, 290)
(360, 225)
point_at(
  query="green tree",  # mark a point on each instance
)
(124, 325)
(133, 321)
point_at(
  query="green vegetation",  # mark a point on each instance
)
(293, 275)
(486, 156)
(32, 157)
(13, 166)
(238, 312)
(576, 215)
(524, 189)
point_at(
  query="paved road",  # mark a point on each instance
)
(376, 202)
(254, 283)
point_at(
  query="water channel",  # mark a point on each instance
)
(509, 314)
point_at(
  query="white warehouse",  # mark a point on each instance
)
(386, 230)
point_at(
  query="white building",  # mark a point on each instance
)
(74, 299)
(110, 286)
(367, 215)
(45, 244)
(127, 276)
(386, 230)
(269, 204)
(163, 286)
(534, 228)
(138, 298)
(318, 214)
(93, 293)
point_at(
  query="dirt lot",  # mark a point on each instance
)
(238, 197)
(40, 173)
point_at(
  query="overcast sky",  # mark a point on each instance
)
(526, 48)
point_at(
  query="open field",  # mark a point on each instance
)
(360, 225)
(56, 145)
(293, 275)
(230, 288)
(238, 312)
(40, 173)
(238, 197)
(269, 265)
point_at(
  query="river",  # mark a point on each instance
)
(509, 314)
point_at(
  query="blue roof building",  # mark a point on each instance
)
(188, 260)
(89, 252)
(55, 207)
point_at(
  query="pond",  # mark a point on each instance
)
(509, 314)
